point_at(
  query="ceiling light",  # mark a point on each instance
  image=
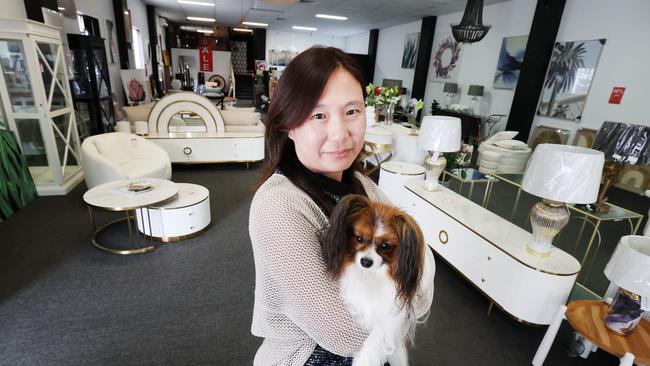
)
(61, 8)
(333, 17)
(255, 24)
(206, 31)
(296, 27)
(126, 12)
(188, 2)
(198, 19)
(243, 30)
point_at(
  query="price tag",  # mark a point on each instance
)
(134, 142)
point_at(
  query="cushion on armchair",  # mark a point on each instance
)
(112, 149)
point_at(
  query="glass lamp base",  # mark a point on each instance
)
(547, 219)
(433, 168)
(624, 313)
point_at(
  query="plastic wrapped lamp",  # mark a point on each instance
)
(438, 134)
(629, 269)
(450, 89)
(559, 174)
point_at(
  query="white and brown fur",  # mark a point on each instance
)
(377, 253)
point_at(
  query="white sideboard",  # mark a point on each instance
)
(491, 253)
(211, 147)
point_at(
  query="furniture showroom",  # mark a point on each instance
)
(134, 136)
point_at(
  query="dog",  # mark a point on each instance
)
(377, 252)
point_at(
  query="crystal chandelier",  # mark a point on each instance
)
(471, 28)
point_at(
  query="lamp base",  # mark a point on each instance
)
(624, 313)
(433, 167)
(547, 219)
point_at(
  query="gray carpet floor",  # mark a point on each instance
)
(63, 302)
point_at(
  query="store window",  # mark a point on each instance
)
(138, 50)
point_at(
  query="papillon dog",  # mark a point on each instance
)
(376, 252)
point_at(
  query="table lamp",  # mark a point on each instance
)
(438, 134)
(559, 174)
(629, 269)
(622, 144)
(450, 89)
(476, 93)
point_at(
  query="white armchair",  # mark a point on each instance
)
(116, 155)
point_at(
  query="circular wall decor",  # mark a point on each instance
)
(449, 45)
(216, 78)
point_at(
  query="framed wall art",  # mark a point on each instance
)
(568, 79)
(548, 135)
(446, 58)
(511, 57)
(410, 51)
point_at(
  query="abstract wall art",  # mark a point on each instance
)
(510, 60)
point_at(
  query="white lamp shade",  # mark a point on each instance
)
(440, 133)
(629, 266)
(563, 173)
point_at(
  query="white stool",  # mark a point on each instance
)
(141, 128)
(392, 176)
(123, 126)
(185, 217)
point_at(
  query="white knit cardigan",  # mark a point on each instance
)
(297, 304)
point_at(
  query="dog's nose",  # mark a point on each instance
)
(366, 263)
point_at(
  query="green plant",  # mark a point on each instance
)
(16, 185)
(381, 95)
(435, 107)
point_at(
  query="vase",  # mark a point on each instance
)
(390, 110)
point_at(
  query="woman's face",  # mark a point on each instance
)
(329, 140)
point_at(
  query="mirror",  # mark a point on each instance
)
(186, 121)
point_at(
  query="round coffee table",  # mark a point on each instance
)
(183, 218)
(112, 196)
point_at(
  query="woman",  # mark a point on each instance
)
(315, 131)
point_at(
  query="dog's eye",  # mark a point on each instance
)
(359, 239)
(385, 247)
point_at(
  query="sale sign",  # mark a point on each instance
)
(617, 95)
(205, 53)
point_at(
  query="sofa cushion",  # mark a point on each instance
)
(141, 168)
(240, 118)
(239, 109)
(139, 112)
(112, 149)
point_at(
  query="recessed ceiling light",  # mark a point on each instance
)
(188, 2)
(333, 17)
(255, 24)
(206, 31)
(243, 30)
(199, 19)
(297, 27)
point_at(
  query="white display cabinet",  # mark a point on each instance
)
(37, 103)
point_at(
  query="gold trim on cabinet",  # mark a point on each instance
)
(383, 167)
(496, 246)
(443, 234)
(173, 239)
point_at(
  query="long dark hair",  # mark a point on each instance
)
(296, 95)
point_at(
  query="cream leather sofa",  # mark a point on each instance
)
(115, 156)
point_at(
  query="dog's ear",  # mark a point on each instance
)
(335, 240)
(410, 257)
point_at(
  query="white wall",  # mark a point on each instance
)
(357, 44)
(388, 64)
(478, 60)
(13, 9)
(220, 62)
(139, 20)
(623, 61)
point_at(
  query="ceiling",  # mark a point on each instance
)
(363, 14)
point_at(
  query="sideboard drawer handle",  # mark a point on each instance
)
(187, 150)
(443, 237)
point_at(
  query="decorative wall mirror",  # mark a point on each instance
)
(185, 112)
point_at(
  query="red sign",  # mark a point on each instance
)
(617, 95)
(205, 53)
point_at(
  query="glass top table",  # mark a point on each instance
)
(471, 176)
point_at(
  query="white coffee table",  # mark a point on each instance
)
(183, 218)
(107, 197)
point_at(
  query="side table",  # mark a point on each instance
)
(108, 197)
(471, 176)
(586, 317)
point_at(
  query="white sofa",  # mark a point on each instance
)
(501, 154)
(115, 156)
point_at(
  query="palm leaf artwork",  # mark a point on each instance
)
(17, 188)
(410, 51)
(566, 59)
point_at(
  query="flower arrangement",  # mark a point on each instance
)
(381, 95)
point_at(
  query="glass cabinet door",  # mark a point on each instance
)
(16, 75)
(53, 74)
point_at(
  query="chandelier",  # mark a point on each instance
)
(471, 28)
